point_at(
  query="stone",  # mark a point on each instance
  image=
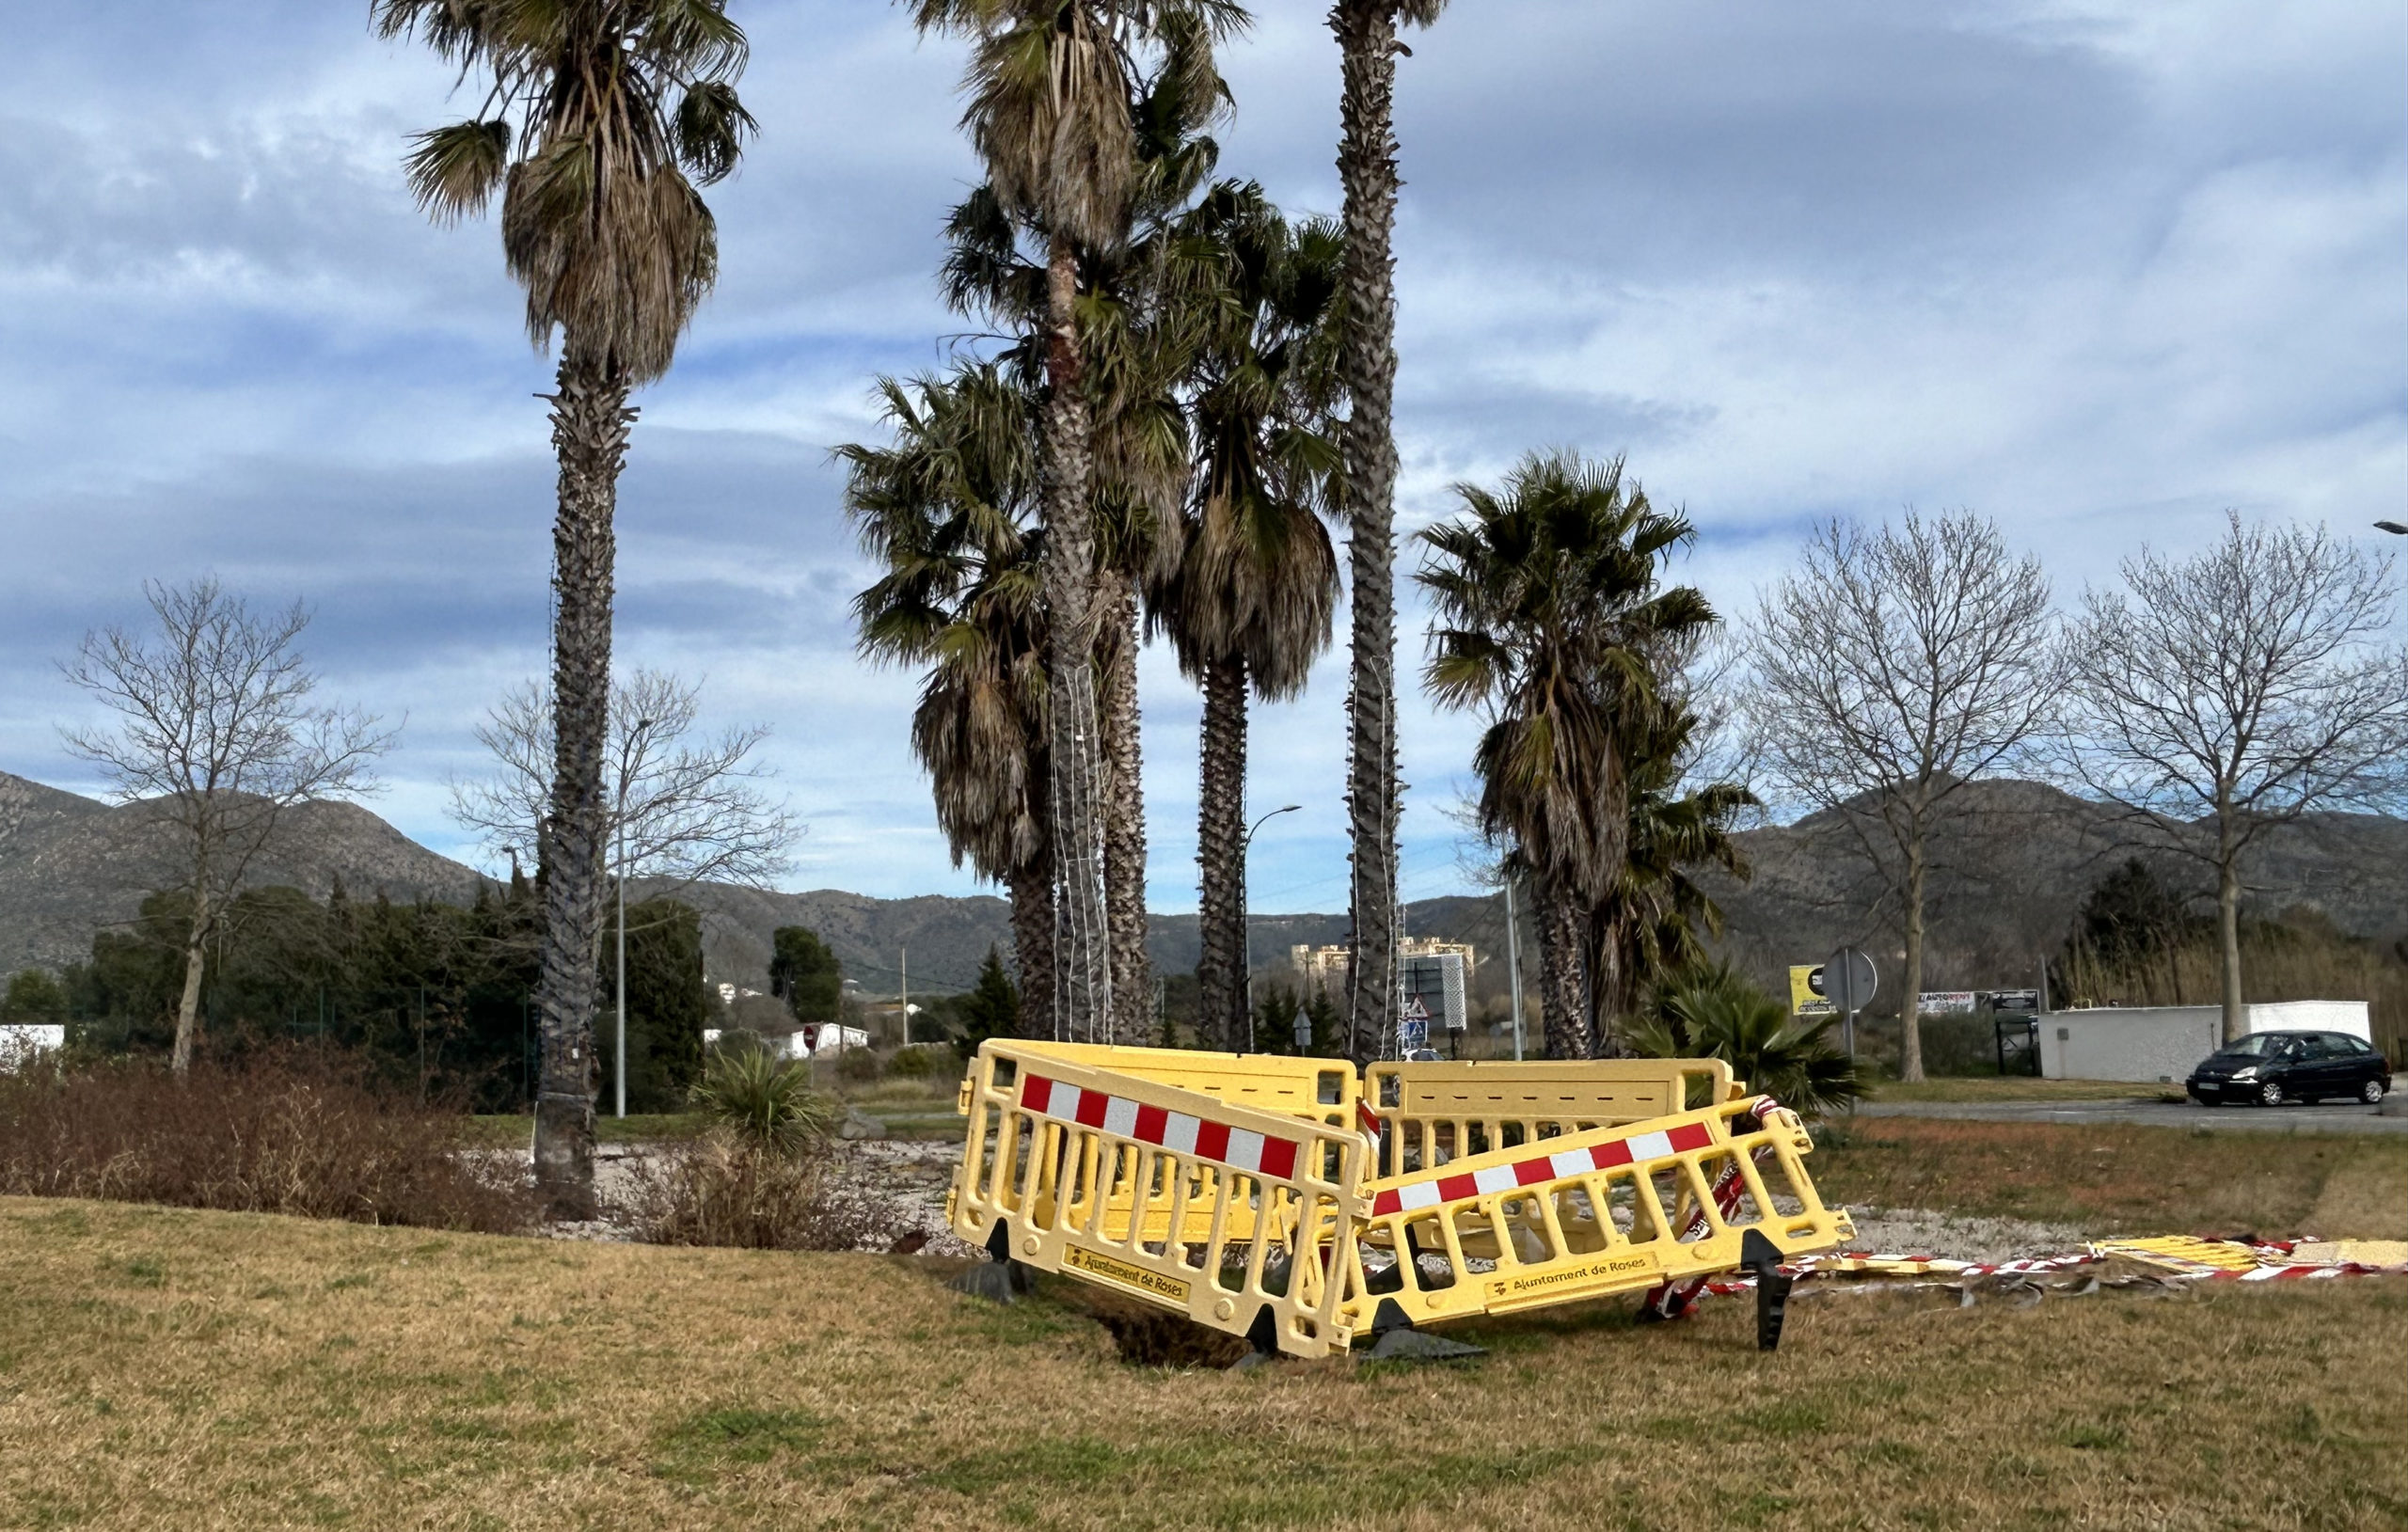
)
(1420, 1345)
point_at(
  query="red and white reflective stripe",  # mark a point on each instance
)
(1367, 1119)
(1634, 1149)
(1239, 1148)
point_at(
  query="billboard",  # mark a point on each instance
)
(1806, 996)
(1945, 1002)
(1437, 982)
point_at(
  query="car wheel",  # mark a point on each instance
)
(2270, 1094)
(2372, 1093)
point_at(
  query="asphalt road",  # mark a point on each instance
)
(2283, 1119)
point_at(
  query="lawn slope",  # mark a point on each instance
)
(173, 1368)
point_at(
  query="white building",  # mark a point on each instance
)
(2161, 1044)
(21, 1042)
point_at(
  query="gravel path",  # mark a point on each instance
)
(911, 1177)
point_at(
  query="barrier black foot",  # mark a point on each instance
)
(1002, 1279)
(1262, 1335)
(1762, 1256)
(1394, 1340)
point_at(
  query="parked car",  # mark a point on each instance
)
(2272, 1067)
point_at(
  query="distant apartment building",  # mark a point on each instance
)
(1325, 968)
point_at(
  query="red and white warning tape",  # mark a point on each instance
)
(1239, 1148)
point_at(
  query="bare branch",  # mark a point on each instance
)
(2246, 686)
(691, 807)
(216, 734)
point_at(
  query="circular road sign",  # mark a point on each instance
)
(1848, 979)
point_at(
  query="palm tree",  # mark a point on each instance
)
(1367, 46)
(1712, 1012)
(948, 509)
(1549, 608)
(601, 119)
(1050, 85)
(1652, 920)
(1136, 337)
(1250, 602)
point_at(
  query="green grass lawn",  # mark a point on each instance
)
(2111, 1178)
(514, 1131)
(168, 1368)
(2018, 1088)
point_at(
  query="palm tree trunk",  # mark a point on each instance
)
(1082, 947)
(1560, 1013)
(1032, 893)
(590, 422)
(1911, 977)
(1366, 43)
(1124, 828)
(1609, 978)
(196, 961)
(1220, 855)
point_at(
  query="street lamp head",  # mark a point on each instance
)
(1292, 808)
(2390, 527)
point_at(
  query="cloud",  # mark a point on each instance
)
(2100, 269)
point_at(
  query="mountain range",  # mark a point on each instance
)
(2008, 874)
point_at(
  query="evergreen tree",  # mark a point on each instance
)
(991, 1009)
(805, 974)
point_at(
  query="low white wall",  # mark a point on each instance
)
(2154, 1043)
(20, 1041)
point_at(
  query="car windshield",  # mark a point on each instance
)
(2258, 1045)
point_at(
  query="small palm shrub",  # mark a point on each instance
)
(1713, 1013)
(761, 1099)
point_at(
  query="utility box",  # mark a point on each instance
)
(2161, 1044)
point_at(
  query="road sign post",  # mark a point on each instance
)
(1848, 979)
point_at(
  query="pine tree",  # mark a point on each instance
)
(991, 1009)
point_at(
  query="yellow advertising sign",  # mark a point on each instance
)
(1806, 990)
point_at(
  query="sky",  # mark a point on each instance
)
(2099, 270)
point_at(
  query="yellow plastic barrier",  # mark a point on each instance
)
(1591, 1214)
(1187, 1200)
(1435, 1112)
(1238, 1190)
(1324, 1090)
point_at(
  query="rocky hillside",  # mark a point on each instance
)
(2007, 878)
(70, 865)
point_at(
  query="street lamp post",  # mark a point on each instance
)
(1246, 921)
(632, 753)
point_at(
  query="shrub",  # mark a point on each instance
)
(1713, 1013)
(917, 1062)
(286, 1131)
(764, 1100)
(858, 1066)
(727, 1190)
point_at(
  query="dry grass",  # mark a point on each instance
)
(2111, 1178)
(286, 1132)
(170, 1368)
(722, 1189)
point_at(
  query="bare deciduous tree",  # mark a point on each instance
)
(692, 812)
(2218, 698)
(1892, 668)
(218, 735)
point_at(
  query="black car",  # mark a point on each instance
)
(2272, 1067)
